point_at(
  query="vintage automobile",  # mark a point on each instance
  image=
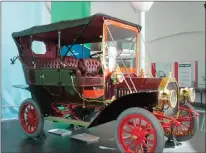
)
(88, 91)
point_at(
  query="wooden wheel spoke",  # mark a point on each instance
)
(129, 132)
(24, 118)
(126, 138)
(26, 113)
(136, 148)
(141, 148)
(133, 121)
(29, 127)
(149, 132)
(24, 121)
(29, 107)
(34, 123)
(146, 145)
(130, 144)
(149, 140)
(140, 121)
(181, 129)
(129, 126)
(184, 115)
(185, 125)
(148, 127)
(32, 111)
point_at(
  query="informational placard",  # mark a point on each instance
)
(185, 74)
(201, 74)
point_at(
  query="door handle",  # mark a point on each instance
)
(42, 76)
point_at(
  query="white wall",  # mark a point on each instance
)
(175, 31)
(122, 10)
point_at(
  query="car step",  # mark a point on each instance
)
(68, 121)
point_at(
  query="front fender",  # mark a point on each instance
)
(144, 100)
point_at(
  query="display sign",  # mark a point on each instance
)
(185, 74)
(201, 74)
(79, 51)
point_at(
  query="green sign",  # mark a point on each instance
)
(184, 65)
(70, 10)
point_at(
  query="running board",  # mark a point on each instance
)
(68, 121)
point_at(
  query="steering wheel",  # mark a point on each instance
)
(95, 54)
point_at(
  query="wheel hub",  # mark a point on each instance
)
(30, 116)
(138, 134)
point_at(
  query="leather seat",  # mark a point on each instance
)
(42, 63)
(47, 64)
(90, 68)
(71, 62)
(91, 72)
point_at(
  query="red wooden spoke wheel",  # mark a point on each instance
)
(30, 118)
(189, 123)
(138, 130)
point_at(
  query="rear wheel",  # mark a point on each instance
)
(30, 118)
(139, 130)
(189, 123)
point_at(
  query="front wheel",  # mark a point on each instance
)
(138, 130)
(30, 118)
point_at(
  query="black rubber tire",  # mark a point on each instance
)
(195, 124)
(40, 127)
(153, 120)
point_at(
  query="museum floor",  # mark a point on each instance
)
(13, 140)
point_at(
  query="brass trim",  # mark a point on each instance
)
(163, 89)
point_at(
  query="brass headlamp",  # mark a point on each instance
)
(168, 97)
(187, 94)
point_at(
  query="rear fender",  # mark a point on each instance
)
(45, 109)
(144, 100)
(26, 87)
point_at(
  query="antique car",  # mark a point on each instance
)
(90, 90)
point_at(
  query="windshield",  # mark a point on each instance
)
(120, 48)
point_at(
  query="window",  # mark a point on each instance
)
(38, 47)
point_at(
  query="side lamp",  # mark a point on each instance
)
(187, 94)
